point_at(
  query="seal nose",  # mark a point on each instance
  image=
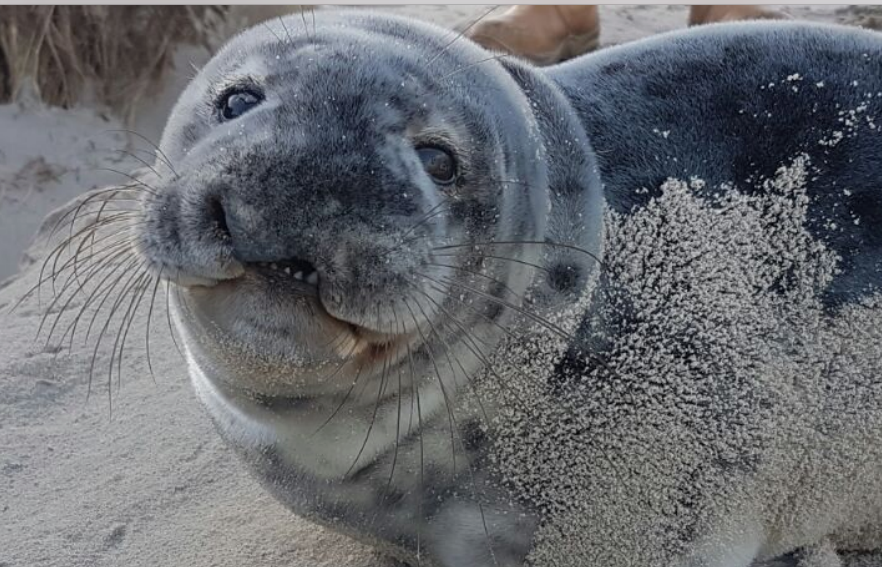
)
(186, 238)
(297, 268)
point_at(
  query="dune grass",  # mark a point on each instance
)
(115, 55)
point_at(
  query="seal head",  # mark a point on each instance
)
(330, 187)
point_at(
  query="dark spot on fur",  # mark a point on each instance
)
(569, 371)
(390, 498)
(687, 527)
(475, 214)
(742, 464)
(612, 68)
(363, 473)
(437, 489)
(564, 278)
(280, 404)
(500, 290)
(459, 210)
(115, 537)
(190, 134)
(473, 436)
(493, 311)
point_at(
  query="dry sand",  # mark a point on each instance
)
(150, 484)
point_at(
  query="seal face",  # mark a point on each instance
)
(401, 306)
(321, 175)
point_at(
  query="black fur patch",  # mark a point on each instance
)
(564, 278)
(473, 436)
(493, 311)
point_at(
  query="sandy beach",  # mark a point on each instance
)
(138, 477)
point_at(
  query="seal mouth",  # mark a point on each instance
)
(290, 290)
(304, 278)
(295, 269)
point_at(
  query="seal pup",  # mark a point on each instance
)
(623, 311)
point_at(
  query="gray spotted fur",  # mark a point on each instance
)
(705, 396)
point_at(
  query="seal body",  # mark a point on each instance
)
(639, 325)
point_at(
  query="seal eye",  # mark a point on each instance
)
(439, 164)
(236, 103)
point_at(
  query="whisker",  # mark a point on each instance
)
(122, 331)
(42, 280)
(52, 277)
(427, 216)
(54, 254)
(458, 434)
(475, 64)
(429, 352)
(107, 241)
(158, 280)
(146, 139)
(421, 489)
(130, 264)
(373, 418)
(89, 251)
(459, 363)
(267, 26)
(502, 258)
(284, 27)
(515, 242)
(480, 354)
(305, 27)
(152, 154)
(171, 330)
(143, 184)
(460, 35)
(87, 200)
(87, 235)
(107, 294)
(342, 403)
(473, 310)
(92, 273)
(397, 417)
(532, 316)
(491, 278)
(139, 159)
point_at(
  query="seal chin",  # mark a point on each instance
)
(276, 339)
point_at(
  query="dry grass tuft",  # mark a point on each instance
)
(114, 54)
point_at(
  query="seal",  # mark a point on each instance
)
(623, 311)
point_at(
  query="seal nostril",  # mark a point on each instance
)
(218, 216)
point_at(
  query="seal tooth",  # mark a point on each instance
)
(274, 266)
(288, 270)
(312, 278)
(298, 275)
